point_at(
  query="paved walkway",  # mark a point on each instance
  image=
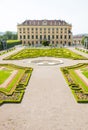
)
(9, 53)
(48, 103)
(79, 52)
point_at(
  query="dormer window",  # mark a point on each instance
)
(51, 23)
(59, 23)
(44, 22)
(34, 22)
(55, 23)
(38, 22)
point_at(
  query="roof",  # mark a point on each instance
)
(44, 22)
(78, 36)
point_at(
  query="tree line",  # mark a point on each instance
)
(8, 35)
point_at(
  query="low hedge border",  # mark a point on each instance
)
(13, 101)
(82, 50)
(17, 95)
(32, 53)
(6, 51)
(74, 86)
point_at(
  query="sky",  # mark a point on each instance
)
(13, 12)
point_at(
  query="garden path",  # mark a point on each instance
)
(9, 53)
(79, 52)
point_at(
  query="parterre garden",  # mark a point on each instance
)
(54, 52)
(16, 88)
(13, 85)
(76, 83)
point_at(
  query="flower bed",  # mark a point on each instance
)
(59, 52)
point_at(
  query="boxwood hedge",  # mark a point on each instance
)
(80, 94)
(16, 95)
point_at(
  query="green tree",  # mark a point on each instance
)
(45, 43)
(83, 40)
(9, 36)
(14, 36)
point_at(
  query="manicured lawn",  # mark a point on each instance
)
(12, 85)
(15, 89)
(54, 52)
(78, 80)
(4, 74)
(78, 87)
(85, 72)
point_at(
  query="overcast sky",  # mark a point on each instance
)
(74, 12)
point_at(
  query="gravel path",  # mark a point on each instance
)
(79, 52)
(48, 103)
(9, 53)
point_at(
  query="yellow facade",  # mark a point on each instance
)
(35, 31)
(77, 39)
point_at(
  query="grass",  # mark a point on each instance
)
(78, 87)
(78, 80)
(54, 52)
(14, 92)
(4, 74)
(85, 74)
(11, 87)
(12, 41)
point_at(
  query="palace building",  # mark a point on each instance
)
(77, 39)
(56, 32)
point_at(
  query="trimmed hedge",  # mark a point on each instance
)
(58, 52)
(6, 51)
(11, 43)
(80, 94)
(16, 95)
(82, 50)
(12, 100)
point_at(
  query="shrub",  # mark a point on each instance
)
(12, 94)
(80, 91)
(11, 43)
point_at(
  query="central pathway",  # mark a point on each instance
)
(47, 105)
